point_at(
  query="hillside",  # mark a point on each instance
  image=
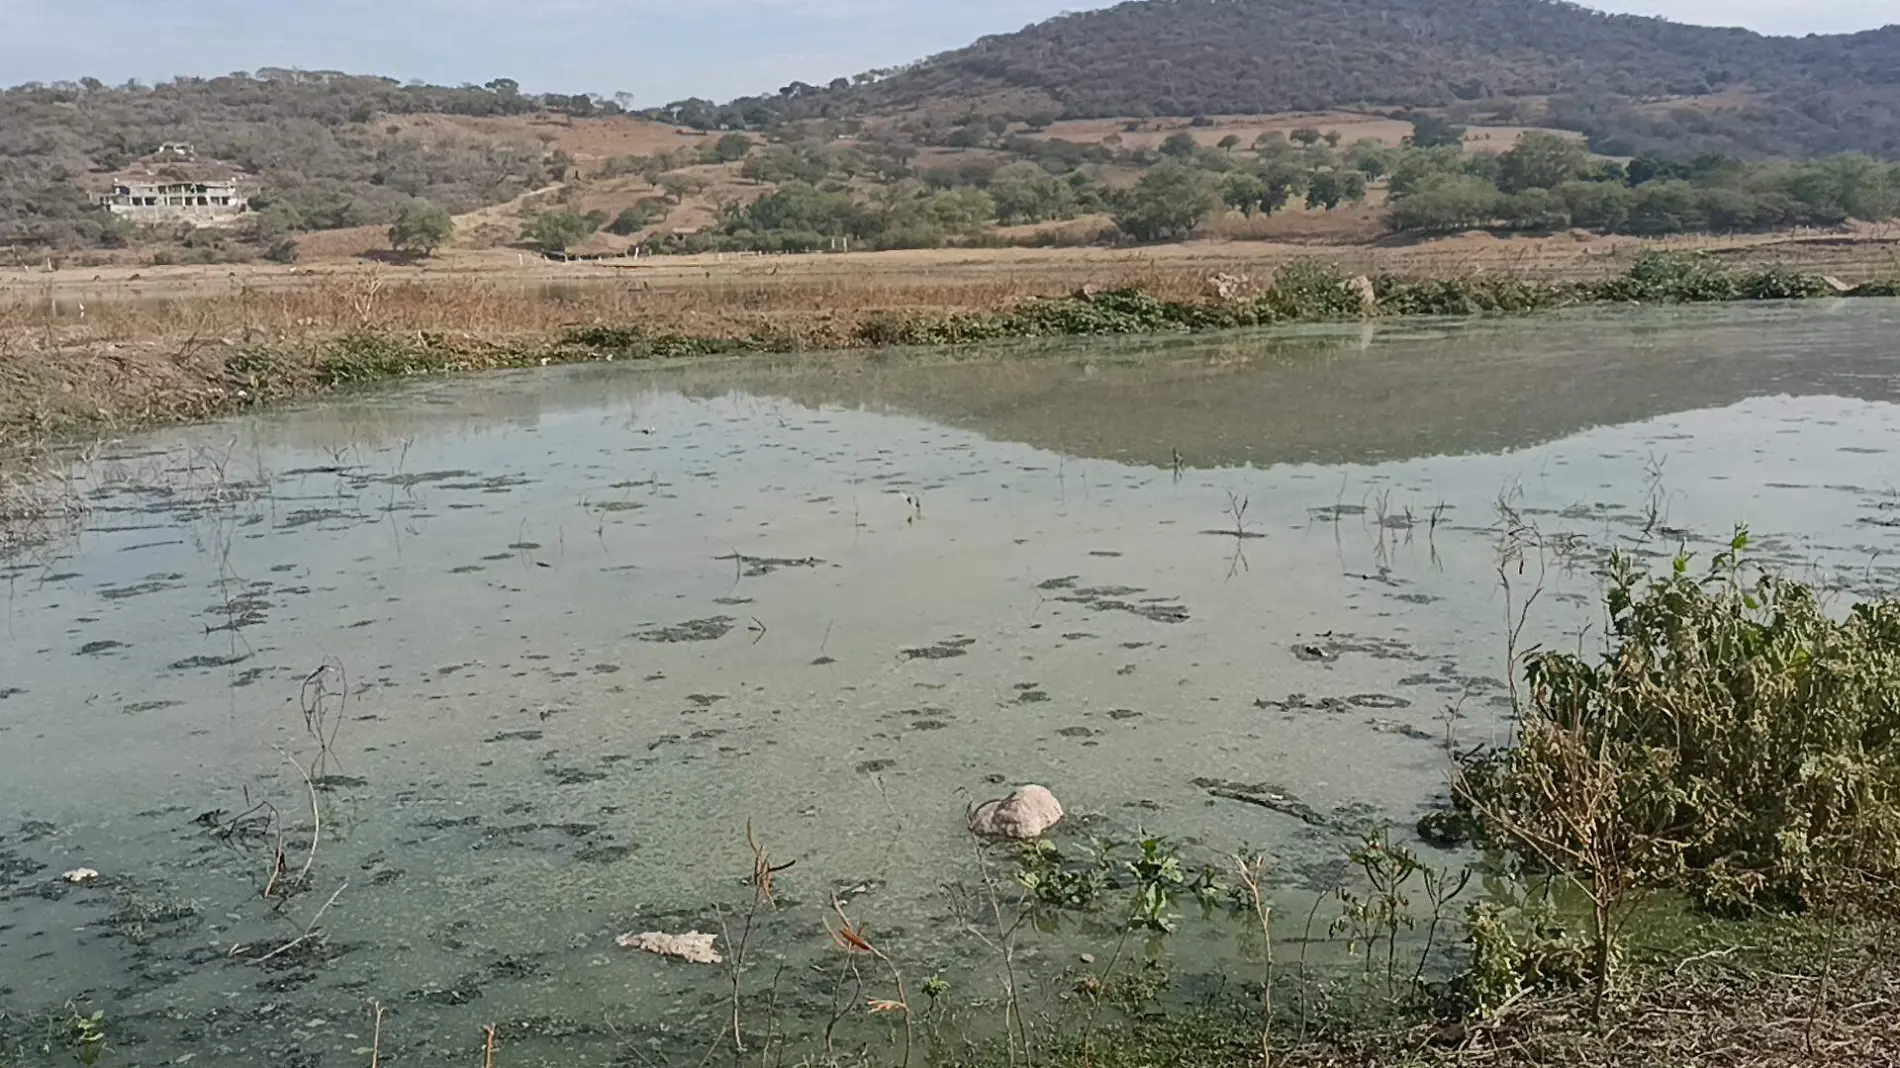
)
(1597, 73)
(329, 150)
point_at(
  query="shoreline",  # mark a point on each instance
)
(131, 369)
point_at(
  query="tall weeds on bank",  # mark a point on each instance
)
(1737, 742)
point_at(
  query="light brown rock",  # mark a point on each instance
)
(1027, 813)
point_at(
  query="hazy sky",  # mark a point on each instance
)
(659, 50)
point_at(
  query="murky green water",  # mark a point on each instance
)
(592, 623)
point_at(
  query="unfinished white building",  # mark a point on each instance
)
(166, 198)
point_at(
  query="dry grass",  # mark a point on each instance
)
(124, 347)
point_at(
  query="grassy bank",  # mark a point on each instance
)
(122, 369)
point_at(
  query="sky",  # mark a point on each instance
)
(658, 50)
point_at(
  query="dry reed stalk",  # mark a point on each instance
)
(491, 1042)
(376, 1038)
(1251, 872)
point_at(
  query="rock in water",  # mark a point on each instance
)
(1027, 813)
(692, 946)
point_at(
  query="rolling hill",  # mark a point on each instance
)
(1631, 83)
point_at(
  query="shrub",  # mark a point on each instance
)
(1737, 742)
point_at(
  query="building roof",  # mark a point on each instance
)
(163, 171)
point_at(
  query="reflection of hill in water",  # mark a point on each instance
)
(1359, 394)
(1380, 393)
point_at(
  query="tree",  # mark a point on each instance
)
(1432, 131)
(421, 227)
(732, 148)
(1167, 203)
(1180, 145)
(1026, 193)
(558, 231)
(1284, 179)
(1446, 203)
(1597, 205)
(1244, 192)
(1272, 143)
(1542, 161)
(1230, 142)
(1307, 137)
(1369, 157)
(641, 215)
(1329, 189)
(680, 186)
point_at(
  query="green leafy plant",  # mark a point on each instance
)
(81, 1035)
(1737, 742)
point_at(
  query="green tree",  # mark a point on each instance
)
(1026, 193)
(1431, 131)
(558, 231)
(1329, 189)
(732, 148)
(680, 186)
(421, 227)
(1542, 161)
(1307, 137)
(1230, 142)
(1284, 180)
(1369, 157)
(1181, 145)
(1602, 206)
(1666, 207)
(641, 215)
(1447, 203)
(1245, 193)
(1167, 203)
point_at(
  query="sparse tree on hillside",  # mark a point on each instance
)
(558, 231)
(1230, 142)
(1307, 137)
(1180, 145)
(421, 228)
(641, 215)
(680, 186)
(1168, 203)
(733, 147)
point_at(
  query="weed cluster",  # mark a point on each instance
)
(1737, 743)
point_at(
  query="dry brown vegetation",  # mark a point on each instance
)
(117, 348)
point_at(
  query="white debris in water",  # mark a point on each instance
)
(693, 947)
(80, 876)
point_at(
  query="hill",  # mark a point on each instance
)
(1735, 91)
(329, 150)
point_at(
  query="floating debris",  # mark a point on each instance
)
(692, 947)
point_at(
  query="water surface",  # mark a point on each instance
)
(578, 629)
